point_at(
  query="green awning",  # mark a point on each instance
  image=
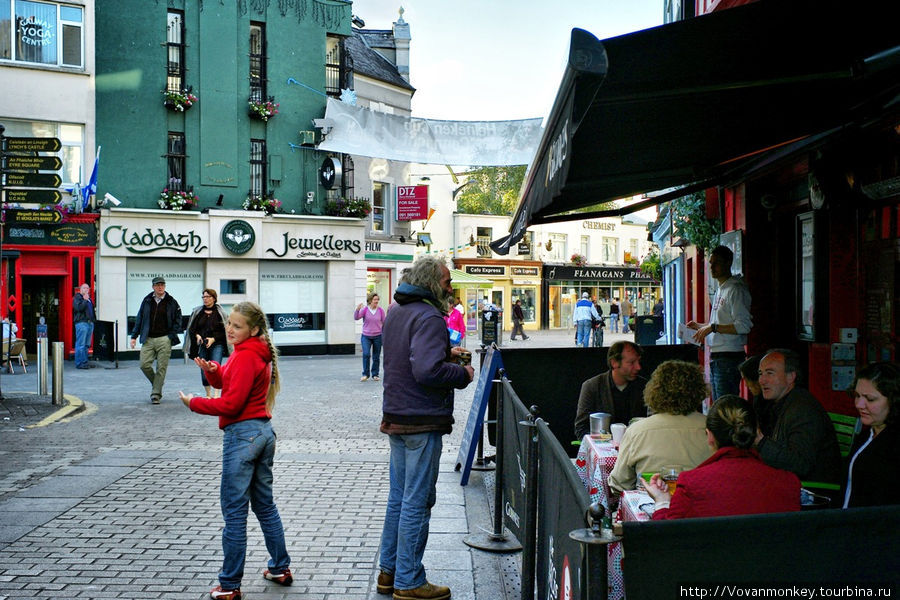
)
(461, 279)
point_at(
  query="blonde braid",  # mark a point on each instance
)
(257, 318)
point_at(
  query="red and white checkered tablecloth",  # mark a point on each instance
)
(594, 463)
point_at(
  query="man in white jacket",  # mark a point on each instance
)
(729, 324)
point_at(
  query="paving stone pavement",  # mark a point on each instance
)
(121, 500)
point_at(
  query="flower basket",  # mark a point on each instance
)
(179, 101)
(578, 260)
(358, 208)
(262, 110)
(266, 204)
(172, 200)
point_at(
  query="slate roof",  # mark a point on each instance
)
(370, 63)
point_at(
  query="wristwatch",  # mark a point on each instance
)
(714, 327)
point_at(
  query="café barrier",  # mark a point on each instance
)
(514, 452)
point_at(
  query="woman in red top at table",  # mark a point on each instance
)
(249, 382)
(734, 480)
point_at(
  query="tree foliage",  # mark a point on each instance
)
(491, 190)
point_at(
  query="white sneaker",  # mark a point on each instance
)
(364, 378)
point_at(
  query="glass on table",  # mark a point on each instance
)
(669, 474)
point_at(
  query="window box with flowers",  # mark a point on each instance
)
(179, 101)
(266, 204)
(358, 208)
(174, 200)
(578, 260)
(262, 109)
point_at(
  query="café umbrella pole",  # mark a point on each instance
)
(498, 540)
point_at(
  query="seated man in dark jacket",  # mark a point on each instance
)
(619, 391)
(802, 438)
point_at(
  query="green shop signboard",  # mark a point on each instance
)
(65, 234)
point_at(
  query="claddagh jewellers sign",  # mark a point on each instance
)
(322, 246)
(148, 240)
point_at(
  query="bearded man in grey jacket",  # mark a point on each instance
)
(419, 377)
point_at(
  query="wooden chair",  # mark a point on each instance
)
(13, 351)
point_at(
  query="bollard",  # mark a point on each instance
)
(58, 349)
(42, 372)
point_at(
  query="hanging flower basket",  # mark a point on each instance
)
(578, 260)
(173, 200)
(262, 110)
(358, 208)
(179, 101)
(266, 204)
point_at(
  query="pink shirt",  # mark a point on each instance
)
(372, 321)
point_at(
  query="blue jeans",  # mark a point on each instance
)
(625, 322)
(415, 460)
(83, 332)
(248, 451)
(216, 352)
(724, 375)
(614, 322)
(598, 337)
(583, 332)
(371, 346)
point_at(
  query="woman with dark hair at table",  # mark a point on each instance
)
(734, 480)
(673, 434)
(873, 477)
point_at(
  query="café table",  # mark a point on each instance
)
(594, 463)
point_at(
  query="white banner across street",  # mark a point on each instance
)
(364, 132)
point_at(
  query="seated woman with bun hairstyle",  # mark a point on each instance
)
(733, 481)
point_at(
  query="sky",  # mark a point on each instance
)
(493, 60)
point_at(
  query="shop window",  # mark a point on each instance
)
(586, 247)
(232, 286)
(527, 296)
(257, 62)
(483, 240)
(258, 178)
(184, 282)
(45, 33)
(558, 247)
(175, 51)
(338, 67)
(380, 219)
(175, 162)
(610, 250)
(292, 293)
(71, 138)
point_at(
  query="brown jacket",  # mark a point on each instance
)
(596, 396)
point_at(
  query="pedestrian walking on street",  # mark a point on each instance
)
(614, 317)
(518, 319)
(158, 324)
(249, 382)
(83, 315)
(583, 316)
(456, 325)
(372, 316)
(206, 335)
(419, 377)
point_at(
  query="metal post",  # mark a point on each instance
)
(479, 464)
(498, 540)
(58, 349)
(42, 371)
(529, 544)
(595, 540)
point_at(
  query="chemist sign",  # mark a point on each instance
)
(412, 202)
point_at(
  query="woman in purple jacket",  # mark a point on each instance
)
(373, 319)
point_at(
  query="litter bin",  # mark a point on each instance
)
(491, 326)
(647, 329)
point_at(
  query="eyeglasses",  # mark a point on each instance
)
(206, 296)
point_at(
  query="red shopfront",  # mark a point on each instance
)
(42, 267)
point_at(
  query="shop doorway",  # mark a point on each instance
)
(40, 298)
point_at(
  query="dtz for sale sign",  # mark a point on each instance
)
(412, 202)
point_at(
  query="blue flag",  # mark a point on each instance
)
(91, 188)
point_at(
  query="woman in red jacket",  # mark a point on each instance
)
(249, 382)
(733, 481)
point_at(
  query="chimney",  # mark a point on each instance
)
(401, 44)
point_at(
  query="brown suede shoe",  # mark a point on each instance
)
(385, 583)
(424, 592)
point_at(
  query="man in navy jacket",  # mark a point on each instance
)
(419, 377)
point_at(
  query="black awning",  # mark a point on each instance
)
(686, 104)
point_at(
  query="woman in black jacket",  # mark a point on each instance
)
(873, 477)
(206, 335)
